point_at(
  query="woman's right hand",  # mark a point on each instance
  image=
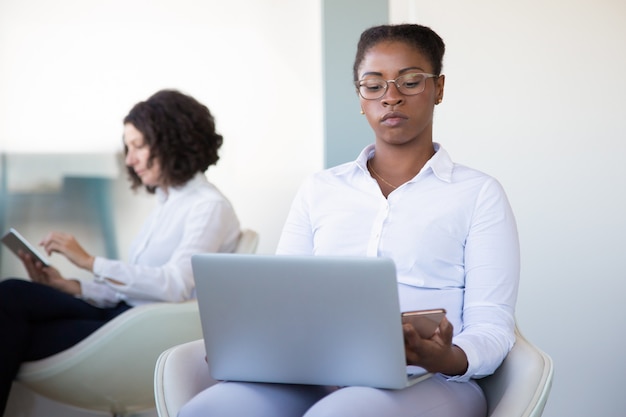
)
(67, 245)
(437, 354)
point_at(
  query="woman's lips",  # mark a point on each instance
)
(393, 118)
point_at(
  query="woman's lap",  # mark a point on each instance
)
(42, 321)
(37, 321)
(430, 398)
(433, 397)
(237, 399)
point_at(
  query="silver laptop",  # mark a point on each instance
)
(302, 320)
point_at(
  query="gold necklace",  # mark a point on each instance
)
(378, 175)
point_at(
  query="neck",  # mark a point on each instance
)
(392, 169)
(399, 164)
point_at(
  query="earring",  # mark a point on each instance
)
(362, 112)
(439, 101)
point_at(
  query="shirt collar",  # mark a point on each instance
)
(440, 164)
(173, 192)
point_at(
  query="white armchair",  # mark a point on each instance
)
(519, 388)
(181, 372)
(521, 385)
(112, 370)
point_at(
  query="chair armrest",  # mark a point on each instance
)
(520, 387)
(181, 372)
(88, 375)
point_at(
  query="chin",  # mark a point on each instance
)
(149, 183)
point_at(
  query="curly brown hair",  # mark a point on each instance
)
(422, 38)
(180, 133)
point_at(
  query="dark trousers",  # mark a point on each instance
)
(37, 321)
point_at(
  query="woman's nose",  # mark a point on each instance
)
(129, 159)
(392, 96)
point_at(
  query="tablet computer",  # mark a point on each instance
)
(16, 242)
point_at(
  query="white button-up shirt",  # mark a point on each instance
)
(190, 219)
(450, 231)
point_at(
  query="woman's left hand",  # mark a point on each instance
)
(436, 354)
(48, 275)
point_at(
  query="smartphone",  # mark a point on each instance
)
(425, 322)
(16, 242)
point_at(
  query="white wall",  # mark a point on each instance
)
(535, 96)
(70, 71)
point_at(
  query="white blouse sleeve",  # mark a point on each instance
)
(204, 228)
(297, 235)
(492, 266)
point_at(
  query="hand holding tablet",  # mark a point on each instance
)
(16, 242)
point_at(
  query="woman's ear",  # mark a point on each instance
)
(441, 80)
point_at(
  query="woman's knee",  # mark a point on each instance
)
(352, 402)
(13, 290)
(234, 399)
(433, 397)
(10, 284)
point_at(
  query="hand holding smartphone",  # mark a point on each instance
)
(16, 242)
(425, 322)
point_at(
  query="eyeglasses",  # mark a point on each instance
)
(407, 84)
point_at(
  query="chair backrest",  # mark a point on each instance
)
(248, 241)
(521, 385)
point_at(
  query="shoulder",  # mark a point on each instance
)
(330, 179)
(463, 184)
(342, 174)
(453, 172)
(462, 172)
(199, 195)
(473, 185)
(338, 171)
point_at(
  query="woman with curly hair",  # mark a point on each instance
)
(169, 142)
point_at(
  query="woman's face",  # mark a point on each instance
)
(138, 155)
(398, 119)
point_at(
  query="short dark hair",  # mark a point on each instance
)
(420, 37)
(180, 133)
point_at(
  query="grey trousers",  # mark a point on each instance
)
(434, 397)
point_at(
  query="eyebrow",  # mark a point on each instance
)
(402, 71)
(134, 141)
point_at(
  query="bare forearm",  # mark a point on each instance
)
(71, 287)
(88, 263)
